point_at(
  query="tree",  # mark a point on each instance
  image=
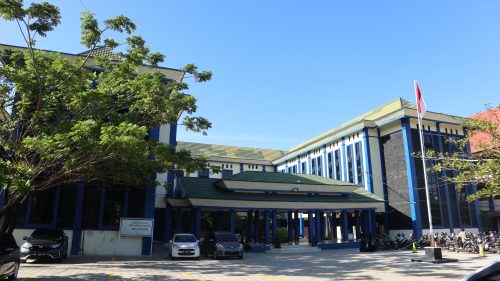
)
(482, 168)
(68, 123)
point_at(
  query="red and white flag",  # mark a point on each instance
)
(421, 107)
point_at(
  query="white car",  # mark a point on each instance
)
(184, 245)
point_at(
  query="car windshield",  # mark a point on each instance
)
(184, 238)
(45, 234)
(226, 238)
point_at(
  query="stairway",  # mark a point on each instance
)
(294, 249)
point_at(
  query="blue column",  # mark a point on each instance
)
(311, 227)
(296, 227)
(266, 227)
(167, 228)
(322, 225)
(301, 227)
(77, 222)
(197, 221)
(275, 225)
(249, 225)
(358, 228)
(334, 226)
(412, 178)
(231, 220)
(257, 226)
(317, 220)
(290, 226)
(345, 226)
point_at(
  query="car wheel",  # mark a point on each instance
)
(13, 276)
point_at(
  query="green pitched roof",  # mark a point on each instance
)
(215, 150)
(205, 188)
(254, 176)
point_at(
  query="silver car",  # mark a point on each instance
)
(184, 245)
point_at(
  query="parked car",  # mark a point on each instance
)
(184, 245)
(50, 243)
(9, 257)
(222, 244)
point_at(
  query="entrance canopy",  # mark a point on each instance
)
(262, 190)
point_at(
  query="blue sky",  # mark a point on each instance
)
(286, 71)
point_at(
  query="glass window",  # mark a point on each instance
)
(136, 202)
(359, 163)
(42, 207)
(320, 166)
(204, 173)
(184, 238)
(66, 211)
(91, 207)
(113, 208)
(337, 164)
(350, 170)
(313, 170)
(330, 165)
(304, 167)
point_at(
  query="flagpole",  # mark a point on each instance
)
(422, 149)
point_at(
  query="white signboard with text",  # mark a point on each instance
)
(136, 227)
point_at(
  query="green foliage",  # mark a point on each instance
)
(69, 123)
(283, 234)
(482, 168)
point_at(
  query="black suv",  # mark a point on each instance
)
(51, 243)
(9, 257)
(222, 244)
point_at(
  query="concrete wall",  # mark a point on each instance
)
(105, 242)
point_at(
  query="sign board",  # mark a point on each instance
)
(136, 227)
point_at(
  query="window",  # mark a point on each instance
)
(304, 167)
(337, 164)
(330, 165)
(320, 166)
(350, 163)
(204, 173)
(42, 206)
(113, 207)
(359, 163)
(313, 163)
(66, 210)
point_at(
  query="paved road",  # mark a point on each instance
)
(326, 265)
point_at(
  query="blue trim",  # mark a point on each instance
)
(231, 220)
(343, 154)
(344, 226)
(173, 135)
(412, 179)
(263, 168)
(368, 161)
(77, 222)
